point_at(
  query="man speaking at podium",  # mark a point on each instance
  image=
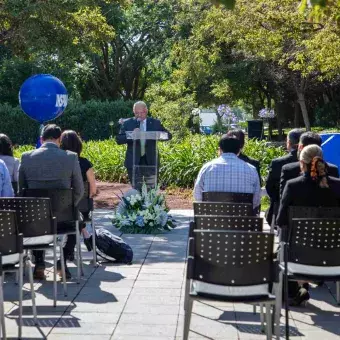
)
(145, 152)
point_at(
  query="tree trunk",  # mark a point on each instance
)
(278, 121)
(300, 92)
(303, 106)
(296, 114)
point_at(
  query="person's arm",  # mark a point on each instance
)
(77, 181)
(22, 182)
(16, 170)
(7, 189)
(199, 186)
(162, 128)
(286, 200)
(271, 181)
(257, 193)
(121, 137)
(283, 180)
(92, 182)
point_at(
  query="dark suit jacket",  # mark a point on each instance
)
(293, 170)
(253, 162)
(49, 167)
(150, 145)
(303, 191)
(273, 182)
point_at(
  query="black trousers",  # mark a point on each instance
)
(39, 255)
(143, 173)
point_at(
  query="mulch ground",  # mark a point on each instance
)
(109, 195)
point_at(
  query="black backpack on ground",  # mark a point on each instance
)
(112, 248)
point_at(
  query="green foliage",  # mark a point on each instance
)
(328, 115)
(181, 160)
(90, 119)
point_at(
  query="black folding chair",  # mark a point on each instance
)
(67, 215)
(86, 208)
(313, 254)
(12, 257)
(232, 266)
(38, 226)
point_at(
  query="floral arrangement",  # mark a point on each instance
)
(144, 212)
(266, 113)
(225, 111)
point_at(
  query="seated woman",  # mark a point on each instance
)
(313, 189)
(72, 142)
(6, 154)
(6, 189)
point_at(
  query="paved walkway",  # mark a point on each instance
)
(144, 300)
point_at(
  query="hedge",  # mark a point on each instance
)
(181, 160)
(91, 119)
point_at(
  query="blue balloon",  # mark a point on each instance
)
(43, 97)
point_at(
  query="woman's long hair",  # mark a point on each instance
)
(71, 141)
(317, 168)
(6, 147)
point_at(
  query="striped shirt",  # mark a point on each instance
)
(228, 173)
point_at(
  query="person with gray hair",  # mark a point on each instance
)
(145, 153)
(274, 174)
(315, 188)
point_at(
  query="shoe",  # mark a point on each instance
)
(67, 272)
(70, 257)
(88, 243)
(39, 272)
(301, 298)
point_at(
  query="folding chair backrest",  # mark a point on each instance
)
(10, 241)
(86, 204)
(230, 197)
(313, 212)
(232, 258)
(33, 215)
(62, 202)
(243, 223)
(315, 241)
(223, 209)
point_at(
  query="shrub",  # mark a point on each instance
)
(91, 119)
(181, 160)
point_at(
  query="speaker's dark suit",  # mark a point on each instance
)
(150, 145)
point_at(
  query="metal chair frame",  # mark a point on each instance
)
(13, 244)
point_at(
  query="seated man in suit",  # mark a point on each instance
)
(145, 153)
(239, 134)
(293, 170)
(49, 167)
(228, 173)
(273, 179)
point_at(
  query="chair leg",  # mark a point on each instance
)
(262, 317)
(21, 279)
(278, 305)
(268, 321)
(78, 252)
(34, 308)
(338, 292)
(187, 318)
(55, 288)
(186, 293)
(94, 242)
(2, 309)
(62, 263)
